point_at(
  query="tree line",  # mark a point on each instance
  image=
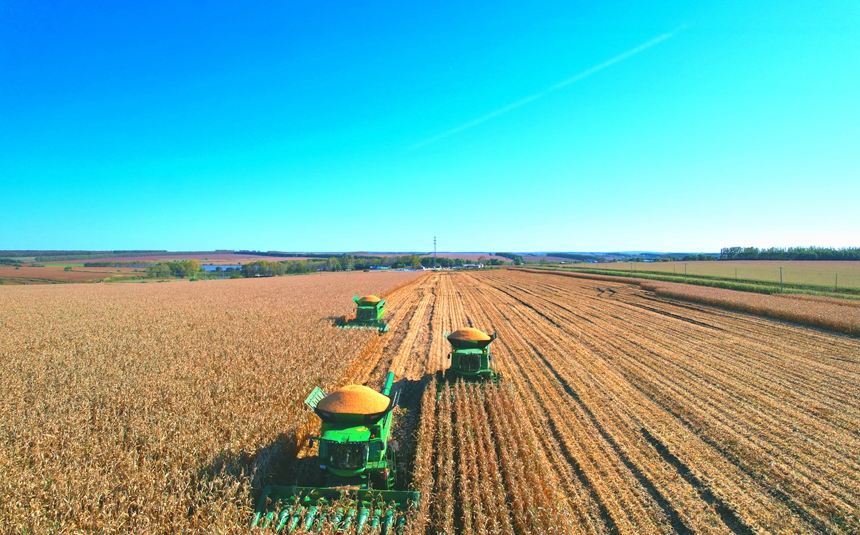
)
(258, 268)
(265, 268)
(790, 253)
(515, 258)
(176, 268)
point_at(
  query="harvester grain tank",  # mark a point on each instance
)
(357, 461)
(470, 356)
(368, 315)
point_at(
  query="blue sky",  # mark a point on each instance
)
(348, 127)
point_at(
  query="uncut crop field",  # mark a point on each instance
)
(819, 273)
(163, 408)
(624, 412)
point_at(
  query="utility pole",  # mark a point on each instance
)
(780, 279)
(434, 252)
(685, 271)
(836, 288)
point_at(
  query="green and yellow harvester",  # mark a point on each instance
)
(368, 315)
(358, 463)
(470, 356)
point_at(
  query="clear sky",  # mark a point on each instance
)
(507, 126)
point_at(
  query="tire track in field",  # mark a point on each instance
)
(409, 354)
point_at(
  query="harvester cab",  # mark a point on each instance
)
(470, 356)
(357, 461)
(368, 315)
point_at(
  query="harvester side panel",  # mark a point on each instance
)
(314, 398)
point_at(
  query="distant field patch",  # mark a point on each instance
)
(819, 273)
(52, 274)
(48, 273)
(214, 257)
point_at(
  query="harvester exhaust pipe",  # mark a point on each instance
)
(389, 380)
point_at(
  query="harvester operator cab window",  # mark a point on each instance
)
(470, 363)
(349, 456)
(364, 314)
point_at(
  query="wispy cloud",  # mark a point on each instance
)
(550, 89)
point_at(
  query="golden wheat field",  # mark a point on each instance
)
(166, 408)
(159, 408)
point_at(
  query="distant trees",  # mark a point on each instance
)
(442, 261)
(408, 261)
(184, 268)
(177, 268)
(332, 264)
(517, 259)
(263, 268)
(790, 253)
(158, 270)
(298, 267)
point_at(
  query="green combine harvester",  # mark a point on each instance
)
(470, 356)
(368, 315)
(359, 467)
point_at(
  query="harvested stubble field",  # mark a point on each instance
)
(620, 411)
(840, 315)
(162, 408)
(627, 412)
(817, 272)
